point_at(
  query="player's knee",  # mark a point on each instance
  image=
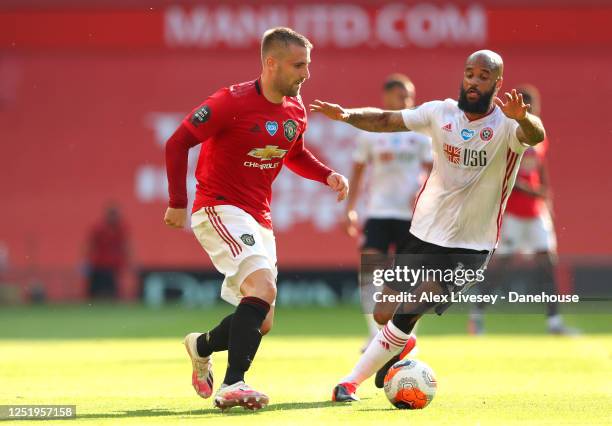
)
(261, 284)
(268, 289)
(382, 317)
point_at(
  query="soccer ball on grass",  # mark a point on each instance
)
(410, 384)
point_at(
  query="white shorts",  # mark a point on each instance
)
(237, 245)
(527, 235)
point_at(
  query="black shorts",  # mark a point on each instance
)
(413, 245)
(416, 253)
(381, 234)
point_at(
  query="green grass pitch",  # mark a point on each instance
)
(127, 365)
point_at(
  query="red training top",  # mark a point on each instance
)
(247, 141)
(520, 203)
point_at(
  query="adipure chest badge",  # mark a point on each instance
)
(271, 127)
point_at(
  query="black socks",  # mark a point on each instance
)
(244, 337)
(216, 339)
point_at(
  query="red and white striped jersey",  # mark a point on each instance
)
(474, 168)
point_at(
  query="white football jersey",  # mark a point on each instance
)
(474, 168)
(396, 161)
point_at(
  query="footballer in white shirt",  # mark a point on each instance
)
(478, 142)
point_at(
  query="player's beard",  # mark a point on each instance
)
(479, 106)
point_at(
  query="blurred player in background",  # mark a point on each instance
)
(249, 131)
(477, 144)
(108, 255)
(398, 163)
(528, 228)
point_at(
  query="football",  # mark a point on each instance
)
(410, 384)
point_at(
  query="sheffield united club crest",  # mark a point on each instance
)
(486, 134)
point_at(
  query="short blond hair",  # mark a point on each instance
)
(282, 37)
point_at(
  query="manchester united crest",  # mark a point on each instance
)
(248, 239)
(290, 127)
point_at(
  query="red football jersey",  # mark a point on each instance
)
(247, 139)
(520, 203)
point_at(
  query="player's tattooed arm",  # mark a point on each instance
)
(531, 130)
(376, 120)
(370, 119)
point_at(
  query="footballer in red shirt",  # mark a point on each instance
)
(248, 131)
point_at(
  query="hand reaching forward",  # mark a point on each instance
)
(338, 183)
(333, 111)
(514, 108)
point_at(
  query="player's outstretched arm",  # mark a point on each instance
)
(531, 130)
(370, 119)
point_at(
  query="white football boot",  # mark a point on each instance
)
(202, 377)
(240, 394)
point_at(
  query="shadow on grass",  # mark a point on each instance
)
(388, 409)
(236, 411)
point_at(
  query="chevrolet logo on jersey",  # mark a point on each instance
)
(267, 153)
